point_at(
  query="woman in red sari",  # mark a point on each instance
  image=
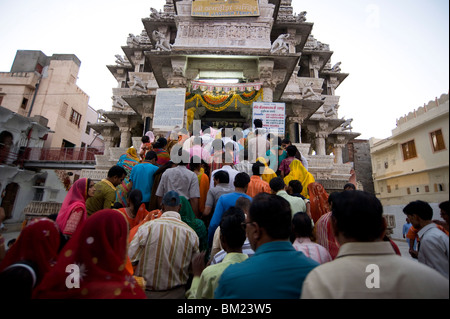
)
(318, 198)
(73, 210)
(99, 251)
(29, 259)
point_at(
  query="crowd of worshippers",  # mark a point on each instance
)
(212, 225)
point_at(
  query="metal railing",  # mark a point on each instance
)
(37, 154)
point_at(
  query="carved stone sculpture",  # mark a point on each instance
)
(280, 45)
(138, 85)
(301, 17)
(121, 61)
(346, 126)
(118, 102)
(331, 110)
(308, 91)
(161, 43)
(336, 67)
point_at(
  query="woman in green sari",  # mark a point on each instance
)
(188, 216)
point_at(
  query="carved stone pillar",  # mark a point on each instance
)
(125, 136)
(314, 66)
(321, 143)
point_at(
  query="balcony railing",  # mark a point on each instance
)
(79, 155)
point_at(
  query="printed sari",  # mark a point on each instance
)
(127, 161)
(37, 243)
(318, 198)
(98, 254)
(73, 211)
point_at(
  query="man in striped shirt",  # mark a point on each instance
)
(163, 250)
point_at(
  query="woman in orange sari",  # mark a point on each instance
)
(99, 250)
(318, 198)
(135, 212)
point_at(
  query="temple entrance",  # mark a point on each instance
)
(223, 119)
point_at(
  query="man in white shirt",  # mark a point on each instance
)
(366, 266)
(433, 243)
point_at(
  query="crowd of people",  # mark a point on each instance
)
(223, 217)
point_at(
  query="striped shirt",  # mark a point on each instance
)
(257, 185)
(312, 250)
(164, 248)
(220, 256)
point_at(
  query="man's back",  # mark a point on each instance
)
(434, 248)
(223, 204)
(373, 271)
(169, 245)
(181, 180)
(297, 204)
(276, 271)
(142, 176)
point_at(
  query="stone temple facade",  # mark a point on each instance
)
(273, 55)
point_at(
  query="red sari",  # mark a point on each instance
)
(73, 210)
(318, 199)
(99, 249)
(38, 242)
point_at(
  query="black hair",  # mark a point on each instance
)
(150, 156)
(419, 208)
(135, 197)
(291, 150)
(296, 186)
(195, 163)
(160, 143)
(302, 226)
(350, 186)
(116, 171)
(445, 206)
(231, 228)
(117, 205)
(145, 139)
(258, 123)
(241, 180)
(285, 141)
(258, 168)
(273, 213)
(277, 184)
(358, 215)
(222, 177)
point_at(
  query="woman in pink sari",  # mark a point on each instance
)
(73, 210)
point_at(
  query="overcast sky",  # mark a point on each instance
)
(397, 52)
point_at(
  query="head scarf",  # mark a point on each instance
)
(151, 136)
(188, 216)
(99, 250)
(75, 199)
(318, 198)
(268, 173)
(298, 172)
(37, 243)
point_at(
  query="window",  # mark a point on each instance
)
(88, 129)
(75, 118)
(437, 140)
(409, 150)
(24, 103)
(427, 188)
(389, 190)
